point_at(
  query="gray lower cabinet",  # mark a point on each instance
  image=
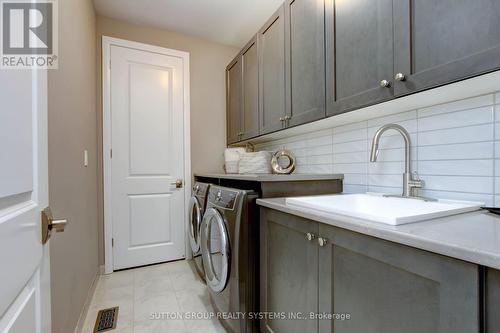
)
(271, 45)
(383, 286)
(492, 301)
(441, 41)
(359, 53)
(234, 100)
(305, 58)
(391, 288)
(289, 272)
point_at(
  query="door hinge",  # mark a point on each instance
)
(111, 153)
(112, 242)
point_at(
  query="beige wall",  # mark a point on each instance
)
(208, 61)
(73, 187)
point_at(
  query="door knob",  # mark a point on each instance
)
(385, 83)
(310, 236)
(177, 183)
(322, 241)
(49, 224)
(400, 77)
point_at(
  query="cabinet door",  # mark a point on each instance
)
(289, 272)
(492, 298)
(305, 55)
(250, 116)
(272, 73)
(234, 100)
(359, 39)
(440, 41)
(391, 288)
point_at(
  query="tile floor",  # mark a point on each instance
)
(140, 292)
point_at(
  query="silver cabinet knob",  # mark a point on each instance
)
(282, 119)
(400, 77)
(310, 236)
(322, 241)
(385, 84)
(287, 117)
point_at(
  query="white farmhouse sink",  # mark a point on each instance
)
(388, 210)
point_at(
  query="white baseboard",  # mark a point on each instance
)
(83, 314)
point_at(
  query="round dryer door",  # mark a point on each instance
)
(195, 220)
(215, 250)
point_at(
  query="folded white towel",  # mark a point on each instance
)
(233, 154)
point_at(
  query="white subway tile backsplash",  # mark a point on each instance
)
(456, 168)
(482, 185)
(464, 104)
(459, 151)
(456, 135)
(356, 157)
(453, 150)
(456, 119)
(395, 118)
(356, 135)
(353, 146)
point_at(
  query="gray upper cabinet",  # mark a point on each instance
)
(250, 114)
(305, 58)
(271, 45)
(441, 41)
(289, 272)
(359, 53)
(391, 288)
(234, 100)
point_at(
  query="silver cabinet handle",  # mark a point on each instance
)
(310, 236)
(385, 84)
(400, 77)
(322, 241)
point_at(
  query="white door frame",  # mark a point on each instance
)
(107, 42)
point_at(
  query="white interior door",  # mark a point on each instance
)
(147, 135)
(25, 269)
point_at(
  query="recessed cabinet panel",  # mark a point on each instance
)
(250, 115)
(234, 100)
(392, 288)
(359, 37)
(305, 51)
(272, 73)
(492, 298)
(440, 41)
(289, 272)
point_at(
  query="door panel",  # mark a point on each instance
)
(359, 37)
(272, 73)
(305, 51)
(289, 271)
(147, 135)
(24, 304)
(391, 288)
(440, 41)
(234, 100)
(250, 60)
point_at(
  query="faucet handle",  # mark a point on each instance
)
(415, 181)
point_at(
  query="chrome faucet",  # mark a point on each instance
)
(410, 185)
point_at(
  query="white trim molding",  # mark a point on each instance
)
(107, 42)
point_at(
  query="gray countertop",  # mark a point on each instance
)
(272, 177)
(473, 237)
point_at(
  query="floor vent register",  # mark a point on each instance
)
(106, 320)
